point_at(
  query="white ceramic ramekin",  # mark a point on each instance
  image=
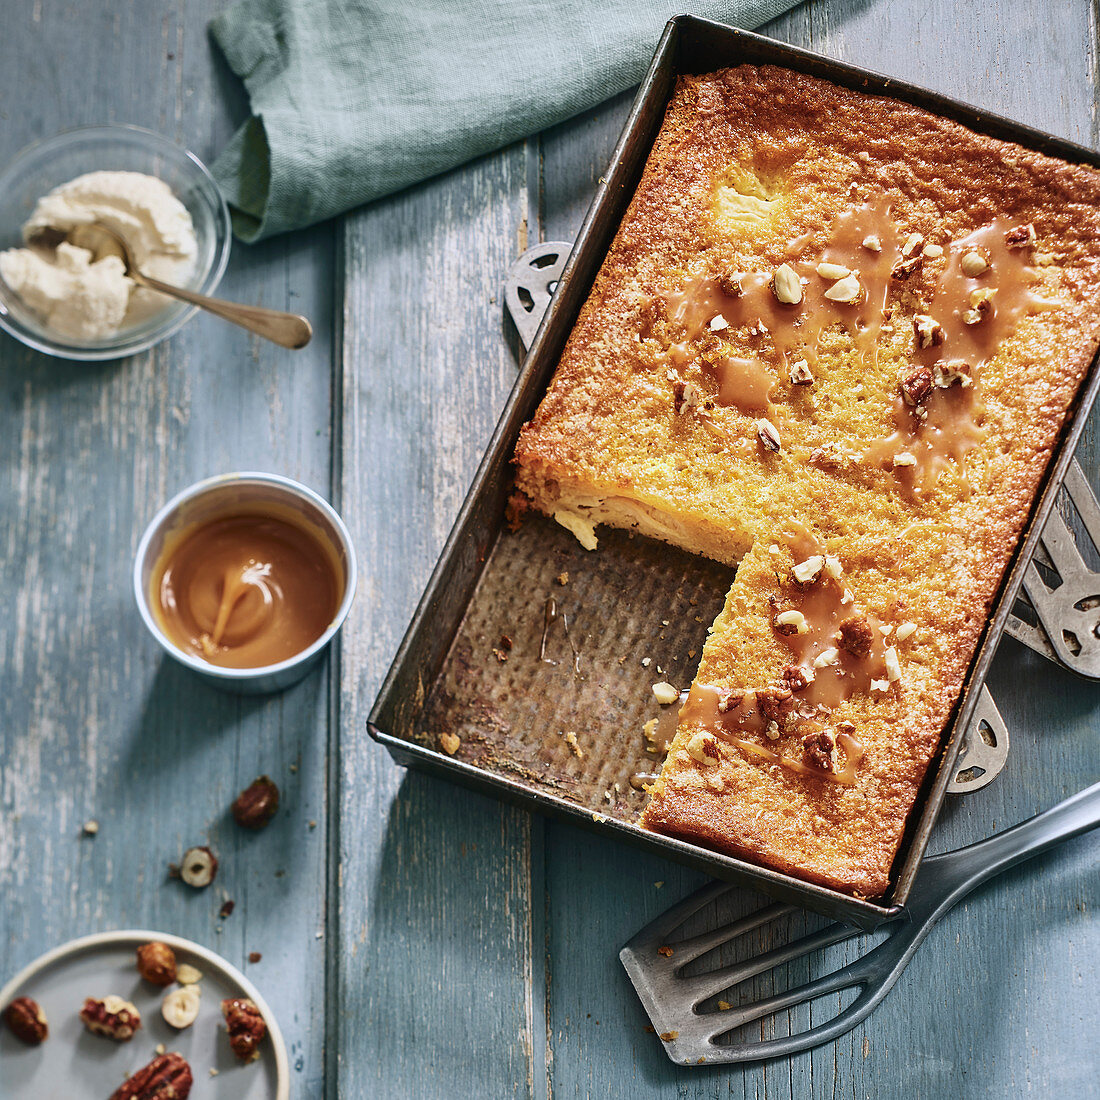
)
(213, 497)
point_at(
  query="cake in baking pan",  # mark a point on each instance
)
(835, 341)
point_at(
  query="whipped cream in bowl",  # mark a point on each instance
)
(159, 197)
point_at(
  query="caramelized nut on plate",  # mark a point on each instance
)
(166, 1077)
(156, 963)
(245, 1025)
(180, 1007)
(111, 1017)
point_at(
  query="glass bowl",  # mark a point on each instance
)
(48, 163)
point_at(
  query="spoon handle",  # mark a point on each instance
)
(290, 330)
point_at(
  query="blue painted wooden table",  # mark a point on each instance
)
(417, 939)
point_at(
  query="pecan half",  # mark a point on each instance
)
(856, 636)
(27, 1021)
(166, 1077)
(245, 1025)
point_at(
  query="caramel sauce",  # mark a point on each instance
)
(846, 777)
(246, 590)
(792, 330)
(642, 781)
(952, 427)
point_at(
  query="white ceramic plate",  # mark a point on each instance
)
(73, 1062)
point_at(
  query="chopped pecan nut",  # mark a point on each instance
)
(729, 699)
(156, 963)
(928, 330)
(914, 243)
(1021, 236)
(257, 804)
(245, 1025)
(27, 1021)
(917, 388)
(953, 373)
(796, 677)
(973, 263)
(820, 749)
(685, 396)
(800, 374)
(775, 702)
(166, 1077)
(856, 636)
(111, 1017)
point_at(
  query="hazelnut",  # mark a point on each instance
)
(786, 285)
(806, 572)
(186, 974)
(111, 1017)
(903, 269)
(800, 373)
(27, 1021)
(830, 656)
(718, 323)
(166, 1077)
(180, 1007)
(846, 290)
(665, 693)
(257, 804)
(906, 630)
(156, 963)
(873, 243)
(932, 251)
(973, 264)
(246, 1027)
(833, 272)
(768, 435)
(703, 749)
(199, 867)
(791, 622)
(893, 666)
(905, 458)
(914, 243)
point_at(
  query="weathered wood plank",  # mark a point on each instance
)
(94, 723)
(435, 919)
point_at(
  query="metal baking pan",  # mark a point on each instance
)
(484, 660)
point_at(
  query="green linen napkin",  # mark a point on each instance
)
(353, 99)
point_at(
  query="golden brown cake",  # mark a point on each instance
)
(835, 340)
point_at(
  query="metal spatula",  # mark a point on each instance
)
(692, 1030)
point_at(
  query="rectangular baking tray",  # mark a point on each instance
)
(511, 708)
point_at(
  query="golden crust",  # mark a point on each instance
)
(752, 168)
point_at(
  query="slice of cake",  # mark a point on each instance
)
(843, 311)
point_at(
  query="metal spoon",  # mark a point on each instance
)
(287, 329)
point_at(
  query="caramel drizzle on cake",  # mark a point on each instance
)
(979, 298)
(838, 650)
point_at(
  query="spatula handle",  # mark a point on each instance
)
(965, 868)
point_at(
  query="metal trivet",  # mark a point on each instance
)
(1060, 616)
